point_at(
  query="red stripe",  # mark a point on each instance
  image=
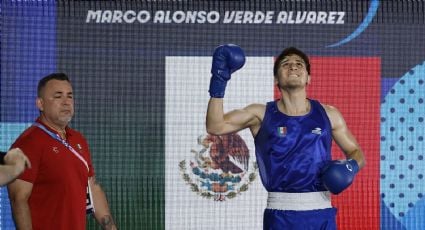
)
(352, 84)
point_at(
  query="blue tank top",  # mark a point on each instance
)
(291, 150)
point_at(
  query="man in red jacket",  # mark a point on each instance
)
(53, 194)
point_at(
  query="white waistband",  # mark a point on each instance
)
(299, 201)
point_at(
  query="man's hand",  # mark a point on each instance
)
(16, 158)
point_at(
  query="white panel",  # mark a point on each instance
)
(187, 83)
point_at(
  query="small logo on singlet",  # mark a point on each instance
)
(55, 149)
(317, 131)
(281, 131)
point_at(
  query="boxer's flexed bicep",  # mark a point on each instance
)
(218, 123)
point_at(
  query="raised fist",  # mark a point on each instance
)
(226, 60)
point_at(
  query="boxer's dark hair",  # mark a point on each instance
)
(291, 51)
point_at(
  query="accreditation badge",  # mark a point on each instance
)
(89, 200)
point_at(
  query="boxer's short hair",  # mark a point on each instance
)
(291, 51)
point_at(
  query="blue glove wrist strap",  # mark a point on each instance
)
(217, 87)
(354, 165)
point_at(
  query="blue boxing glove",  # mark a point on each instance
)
(226, 60)
(337, 175)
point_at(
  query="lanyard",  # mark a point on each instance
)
(64, 142)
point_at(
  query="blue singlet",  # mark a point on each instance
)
(290, 152)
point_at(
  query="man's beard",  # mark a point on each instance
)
(65, 119)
